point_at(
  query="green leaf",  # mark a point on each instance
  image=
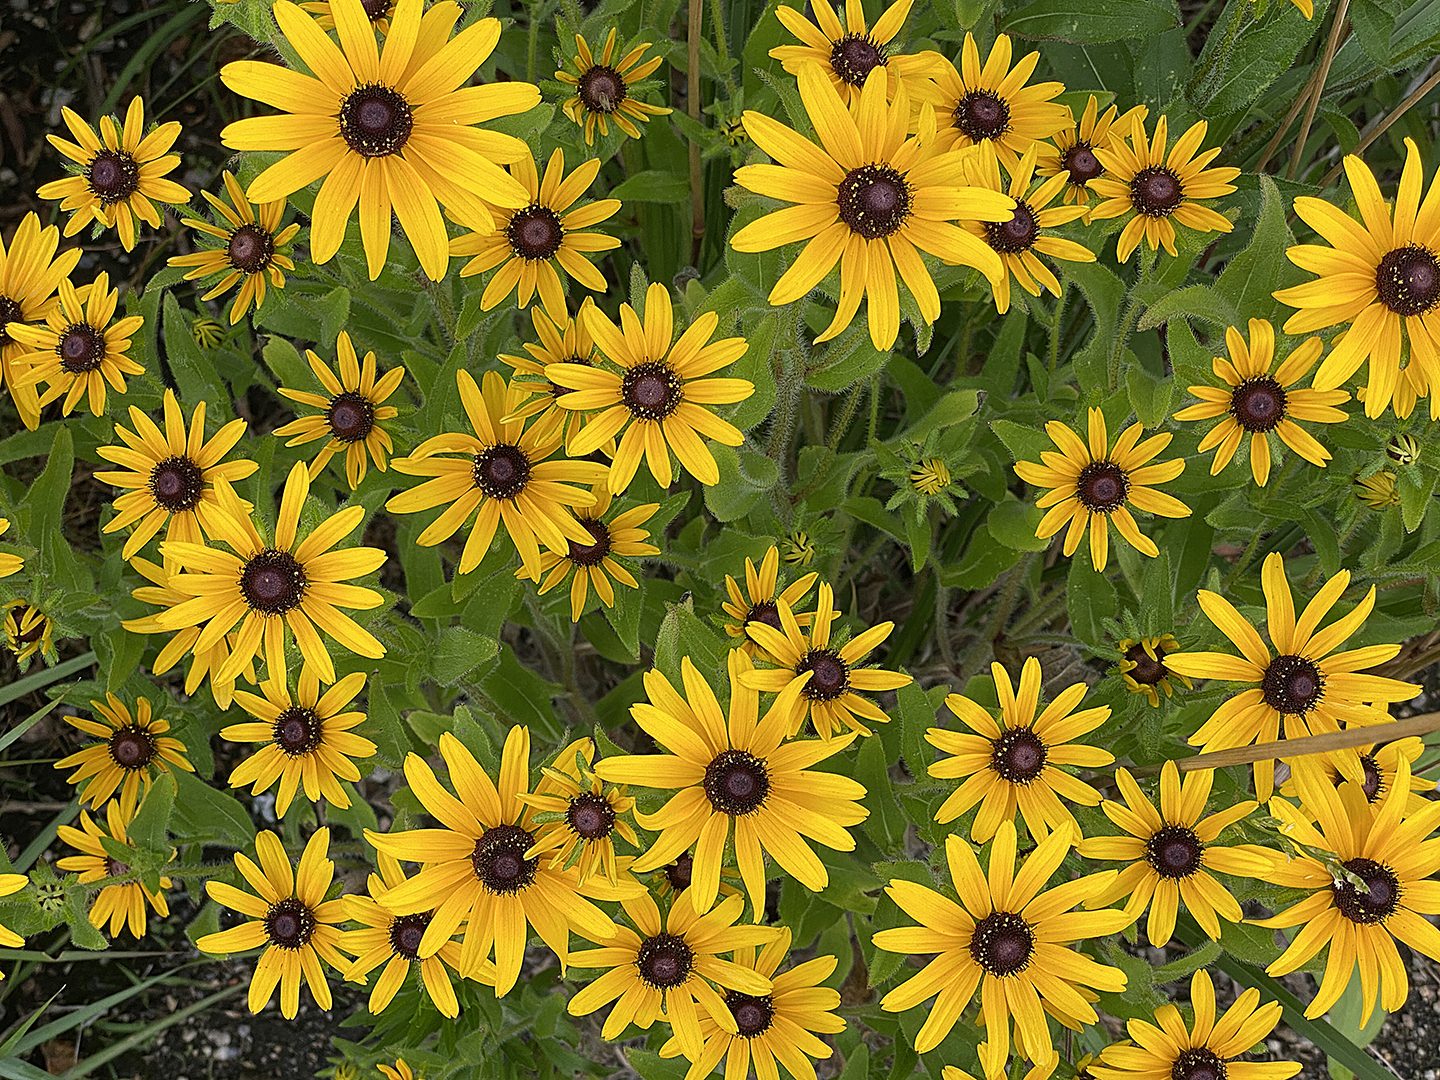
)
(149, 831)
(286, 364)
(522, 696)
(1090, 597)
(1081, 21)
(744, 477)
(46, 503)
(983, 562)
(195, 378)
(203, 813)
(917, 537)
(1415, 487)
(1149, 394)
(1199, 301)
(887, 821)
(1250, 277)
(653, 186)
(459, 652)
(1013, 523)
(846, 360)
(1023, 441)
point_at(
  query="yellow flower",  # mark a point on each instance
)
(604, 89)
(992, 105)
(30, 272)
(870, 199)
(758, 603)
(1307, 683)
(1073, 155)
(744, 774)
(1142, 666)
(799, 548)
(290, 917)
(79, 349)
(1008, 940)
(1093, 485)
(659, 394)
(169, 475)
(1374, 770)
(9, 564)
(1018, 238)
(118, 177)
(1141, 181)
(848, 51)
(1171, 851)
(1015, 764)
(504, 475)
(825, 676)
(930, 477)
(401, 1071)
(292, 586)
(394, 129)
(567, 343)
(116, 904)
(253, 250)
(536, 245)
(10, 884)
(583, 815)
(379, 12)
(27, 630)
(1377, 490)
(353, 411)
(135, 749)
(594, 563)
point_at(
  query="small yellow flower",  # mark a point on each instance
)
(30, 272)
(585, 814)
(560, 343)
(1073, 155)
(930, 477)
(1377, 490)
(1142, 666)
(594, 563)
(848, 51)
(135, 749)
(604, 89)
(116, 904)
(758, 602)
(27, 631)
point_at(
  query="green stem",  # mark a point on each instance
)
(837, 432)
(1055, 325)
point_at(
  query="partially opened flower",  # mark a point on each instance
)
(119, 905)
(27, 631)
(30, 273)
(135, 749)
(848, 51)
(1073, 155)
(595, 563)
(758, 602)
(605, 89)
(1142, 666)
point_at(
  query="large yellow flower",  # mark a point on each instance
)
(604, 89)
(135, 750)
(118, 176)
(1073, 155)
(868, 197)
(1095, 484)
(119, 905)
(848, 51)
(1312, 687)
(659, 393)
(504, 475)
(30, 272)
(1380, 277)
(394, 129)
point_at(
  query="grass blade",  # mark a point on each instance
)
(24, 726)
(28, 685)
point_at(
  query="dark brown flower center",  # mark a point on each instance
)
(829, 675)
(535, 233)
(1002, 943)
(678, 872)
(874, 200)
(251, 248)
(297, 731)
(651, 391)
(1292, 685)
(501, 471)
(1374, 905)
(115, 868)
(113, 176)
(351, 417)
(10, 311)
(1102, 487)
(1148, 670)
(132, 747)
(736, 783)
(1156, 191)
(1258, 405)
(1018, 755)
(665, 961)
(854, 56)
(753, 1015)
(768, 613)
(289, 924)
(590, 816)
(81, 348)
(982, 115)
(1408, 280)
(273, 582)
(406, 933)
(176, 484)
(376, 121)
(1198, 1064)
(1374, 785)
(375, 10)
(499, 859)
(591, 554)
(601, 89)
(1174, 851)
(1082, 164)
(18, 616)
(1016, 235)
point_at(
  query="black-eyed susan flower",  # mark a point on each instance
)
(10, 884)
(848, 51)
(293, 586)
(1205, 1049)
(1307, 683)
(353, 407)
(169, 475)
(1258, 402)
(134, 751)
(503, 475)
(870, 199)
(379, 12)
(594, 563)
(659, 396)
(1141, 181)
(307, 738)
(30, 274)
(394, 940)
(1171, 851)
(394, 128)
(254, 248)
(537, 244)
(119, 173)
(560, 343)
(827, 675)
(992, 105)
(290, 917)
(1380, 278)
(1374, 770)
(1015, 764)
(1096, 484)
(1142, 666)
(580, 815)
(1378, 892)
(1073, 155)
(1007, 939)
(671, 969)
(1019, 240)
(605, 89)
(478, 870)
(79, 349)
(775, 1028)
(9, 564)
(120, 904)
(28, 631)
(758, 601)
(743, 774)
(1377, 491)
